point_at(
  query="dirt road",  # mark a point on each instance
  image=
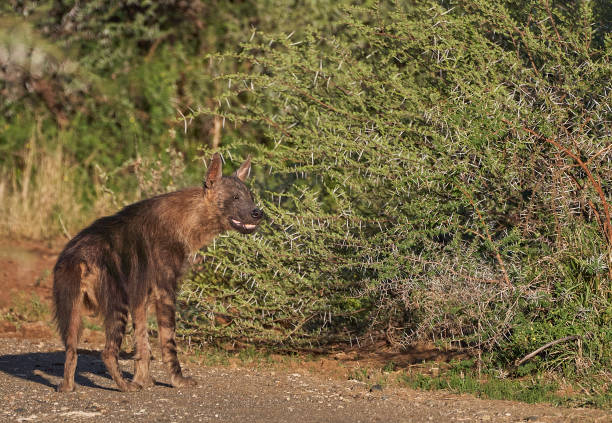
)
(30, 370)
(31, 365)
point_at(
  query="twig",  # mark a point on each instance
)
(483, 223)
(543, 347)
(533, 65)
(153, 48)
(64, 228)
(216, 133)
(298, 326)
(595, 183)
(277, 126)
(552, 21)
(600, 152)
(183, 116)
(327, 106)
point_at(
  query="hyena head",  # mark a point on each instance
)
(233, 199)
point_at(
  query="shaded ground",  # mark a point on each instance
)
(31, 365)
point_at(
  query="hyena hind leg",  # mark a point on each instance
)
(71, 333)
(115, 324)
(142, 358)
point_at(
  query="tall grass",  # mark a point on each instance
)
(42, 198)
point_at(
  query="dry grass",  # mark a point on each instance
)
(40, 199)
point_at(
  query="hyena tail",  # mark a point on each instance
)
(68, 299)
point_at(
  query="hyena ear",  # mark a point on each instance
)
(215, 171)
(244, 170)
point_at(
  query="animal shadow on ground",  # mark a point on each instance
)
(44, 367)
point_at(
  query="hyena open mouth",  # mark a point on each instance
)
(241, 226)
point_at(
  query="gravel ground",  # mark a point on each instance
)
(31, 369)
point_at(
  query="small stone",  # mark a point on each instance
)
(376, 387)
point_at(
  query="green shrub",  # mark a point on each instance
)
(431, 172)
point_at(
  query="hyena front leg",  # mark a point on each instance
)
(115, 324)
(142, 358)
(165, 309)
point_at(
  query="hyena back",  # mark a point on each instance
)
(120, 263)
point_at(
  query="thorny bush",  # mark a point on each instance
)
(432, 172)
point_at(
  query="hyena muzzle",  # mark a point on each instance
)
(121, 263)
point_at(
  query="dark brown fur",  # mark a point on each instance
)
(120, 263)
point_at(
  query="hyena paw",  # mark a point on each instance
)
(144, 382)
(65, 387)
(130, 387)
(179, 381)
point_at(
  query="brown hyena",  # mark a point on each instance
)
(121, 262)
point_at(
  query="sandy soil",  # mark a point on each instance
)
(25, 267)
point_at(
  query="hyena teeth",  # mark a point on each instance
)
(243, 225)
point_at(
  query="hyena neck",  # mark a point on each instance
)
(192, 219)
